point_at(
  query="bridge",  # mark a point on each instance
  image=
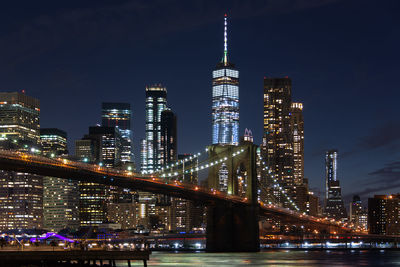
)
(232, 215)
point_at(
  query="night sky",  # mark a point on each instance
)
(342, 56)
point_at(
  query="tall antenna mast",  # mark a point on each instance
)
(225, 40)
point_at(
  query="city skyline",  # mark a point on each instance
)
(352, 144)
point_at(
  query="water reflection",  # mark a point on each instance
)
(276, 258)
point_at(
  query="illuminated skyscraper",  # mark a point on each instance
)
(334, 206)
(21, 194)
(277, 148)
(119, 115)
(60, 196)
(156, 103)
(169, 142)
(225, 99)
(297, 123)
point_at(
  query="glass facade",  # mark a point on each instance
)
(156, 103)
(119, 115)
(225, 100)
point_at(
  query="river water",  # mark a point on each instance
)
(275, 258)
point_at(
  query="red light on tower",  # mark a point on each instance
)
(226, 15)
(23, 91)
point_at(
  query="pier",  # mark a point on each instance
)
(70, 257)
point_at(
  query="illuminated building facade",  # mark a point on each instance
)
(119, 115)
(225, 100)
(384, 215)
(60, 196)
(123, 214)
(21, 194)
(108, 141)
(54, 142)
(156, 103)
(92, 196)
(19, 118)
(277, 147)
(334, 206)
(101, 146)
(297, 123)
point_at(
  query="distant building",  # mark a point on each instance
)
(169, 142)
(334, 206)
(156, 103)
(101, 146)
(312, 205)
(384, 215)
(247, 137)
(119, 115)
(92, 196)
(53, 142)
(154, 210)
(357, 213)
(21, 194)
(277, 147)
(123, 214)
(225, 100)
(297, 123)
(60, 196)
(19, 118)
(108, 141)
(302, 195)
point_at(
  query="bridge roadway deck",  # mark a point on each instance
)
(67, 169)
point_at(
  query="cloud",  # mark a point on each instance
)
(384, 136)
(383, 179)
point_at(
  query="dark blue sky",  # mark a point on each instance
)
(342, 56)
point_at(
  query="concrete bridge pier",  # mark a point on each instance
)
(232, 228)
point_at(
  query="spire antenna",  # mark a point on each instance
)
(225, 40)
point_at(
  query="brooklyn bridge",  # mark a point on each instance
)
(233, 215)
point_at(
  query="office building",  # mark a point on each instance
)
(119, 115)
(21, 194)
(101, 146)
(108, 141)
(277, 147)
(60, 196)
(334, 206)
(92, 196)
(156, 103)
(225, 99)
(53, 142)
(19, 118)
